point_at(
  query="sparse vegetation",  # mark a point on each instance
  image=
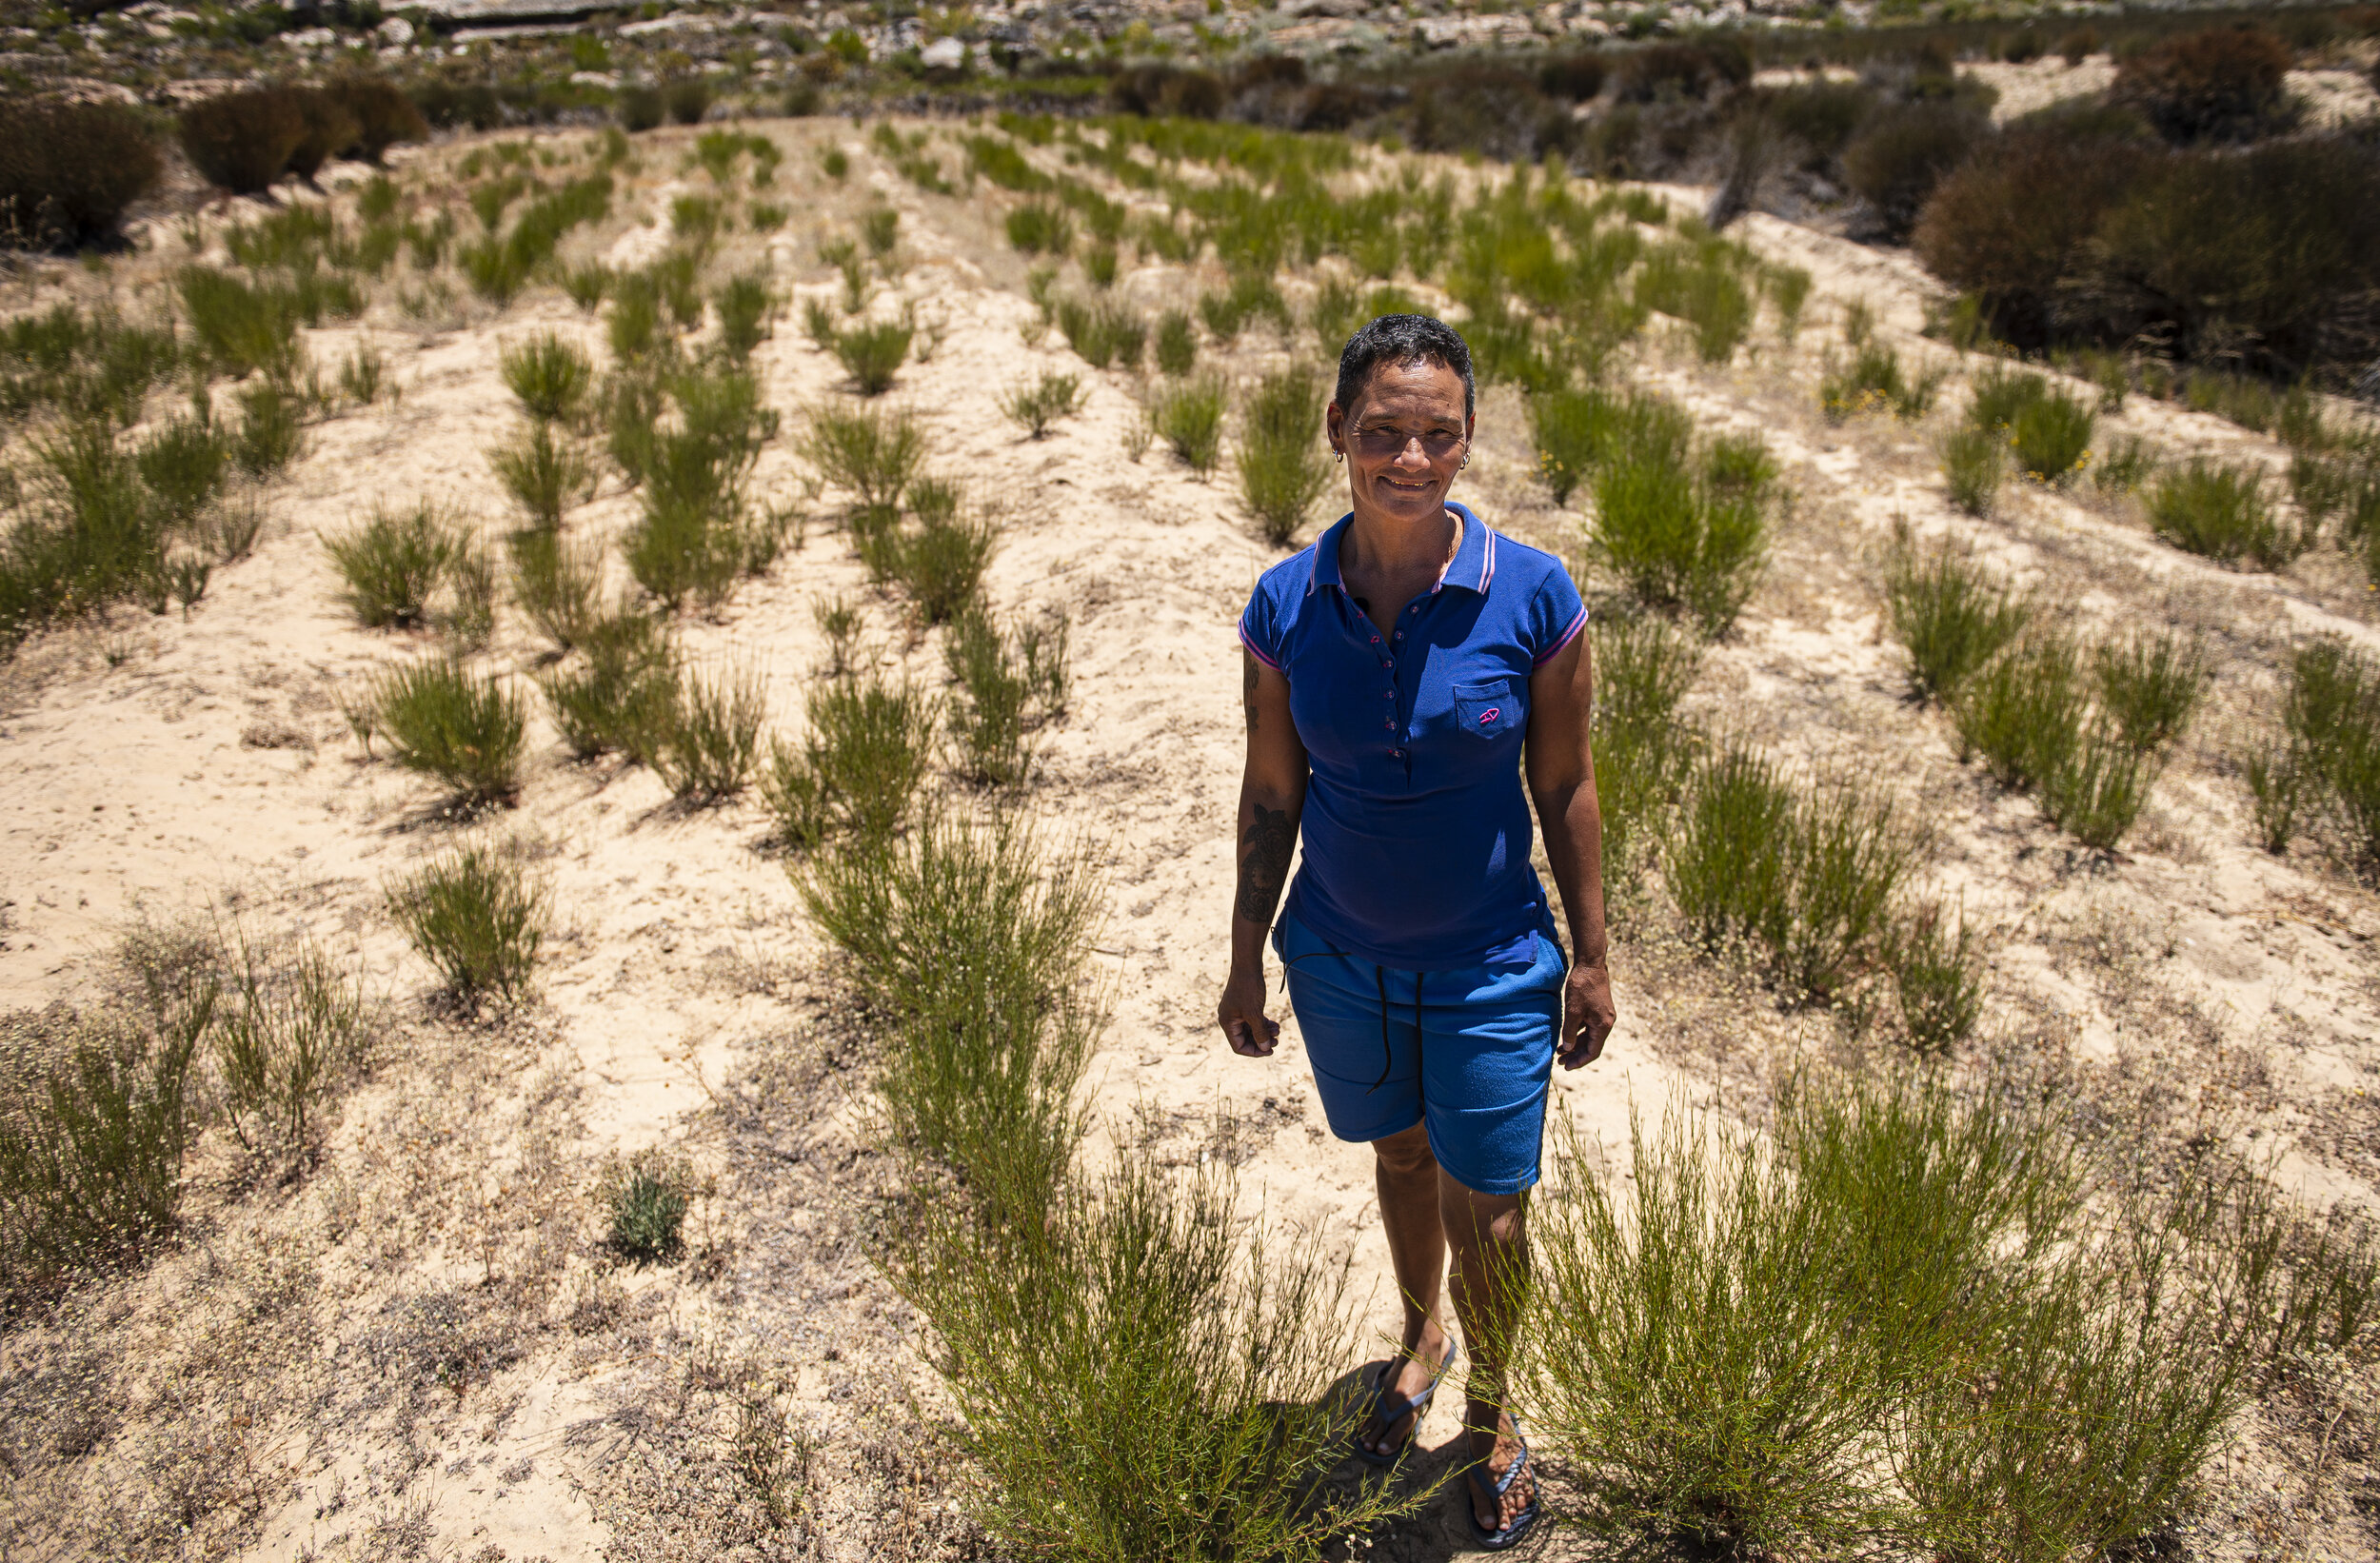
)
(1038, 404)
(477, 918)
(1188, 416)
(1282, 469)
(1686, 530)
(2222, 512)
(446, 723)
(1948, 617)
(393, 564)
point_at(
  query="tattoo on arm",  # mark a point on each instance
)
(1265, 866)
(1247, 688)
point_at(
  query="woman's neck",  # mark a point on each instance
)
(1397, 548)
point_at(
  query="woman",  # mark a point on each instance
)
(1401, 674)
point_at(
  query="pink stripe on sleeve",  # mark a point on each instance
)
(1258, 652)
(1564, 639)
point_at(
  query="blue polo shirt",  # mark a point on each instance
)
(1416, 828)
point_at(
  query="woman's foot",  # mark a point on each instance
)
(1496, 1451)
(1415, 1370)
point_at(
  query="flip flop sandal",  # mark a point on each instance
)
(1389, 1408)
(1496, 1541)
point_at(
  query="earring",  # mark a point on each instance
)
(1339, 455)
(1466, 461)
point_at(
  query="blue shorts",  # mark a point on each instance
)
(1469, 1053)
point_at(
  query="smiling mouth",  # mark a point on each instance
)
(1419, 485)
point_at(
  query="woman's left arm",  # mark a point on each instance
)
(1561, 781)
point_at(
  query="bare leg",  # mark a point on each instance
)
(1491, 1244)
(1407, 1177)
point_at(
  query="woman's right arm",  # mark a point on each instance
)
(1272, 795)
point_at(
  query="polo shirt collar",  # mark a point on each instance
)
(1471, 568)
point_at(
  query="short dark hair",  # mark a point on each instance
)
(1400, 340)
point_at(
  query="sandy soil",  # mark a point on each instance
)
(415, 1352)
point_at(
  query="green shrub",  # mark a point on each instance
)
(556, 583)
(971, 937)
(633, 328)
(1575, 431)
(93, 537)
(2024, 712)
(2096, 795)
(477, 918)
(1643, 668)
(545, 472)
(942, 563)
(624, 696)
(93, 1136)
(1177, 344)
(551, 377)
(1188, 416)
(1681, 529)
(464, 730)
(1808, 877)
(587, 285)
(2151, 683)
(1037, 229)
(645, 1198)
(281, 1040)
(1105, 333)
(746, 309)
(1040, 403)
(1973, 461)
(1012, 682)
(240, 328)
(2332, 763)
(271, 434)
(393, 564)
(1937, 978)
(874, 452)
(1948, 618)
(243, 140)
(1283, 471)
(1701, 289)
(2220, 512)
(1136, 1295)
(69, 170)
(713, 742)
(873, 354)
(870, 745)
(185, 464)
(1875, 382)
(2051, 434)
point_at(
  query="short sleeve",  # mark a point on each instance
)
(1261, 628)
(1556, 614)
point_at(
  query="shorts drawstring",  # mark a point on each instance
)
(1380, 986)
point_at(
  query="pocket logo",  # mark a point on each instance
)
(1490, 715)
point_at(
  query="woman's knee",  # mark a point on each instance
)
(1472, 1218)
(1405, 1153)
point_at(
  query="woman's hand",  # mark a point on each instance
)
(1587, 1015)
(1241, 1014)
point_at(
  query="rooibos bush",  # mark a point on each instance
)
(69, 170)
(2220, 512)
(1947, 616)
(2024, 712)
(2151, 683)
(287, 1033)
(1973, 461)
(1042, 403)
(392, 565)
(1177, 344)
(476, 917)
(1103, 333)
(1188, 416)
(871, 743)
(545, 472)
(714, 736)
(871, 355)
(1283, 471)
(551, 377)
(556, 582)
(449, 723)
(1686, 531)
(872, 451)
(243, 140)
(1643, 668)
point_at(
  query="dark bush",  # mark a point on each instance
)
(1895, 162)
(1658, 72)
(641, 108)
(690, 99)
(447, 104)
(1578, 77)
(383, 115)
(1153, 91)
(1490, 109)
(2273, 253)
(1271, 70)
(1821, 115)
(2223, 84)
(2011, 223)
(2023, 49)
(331, 129)
(69, 170)
(1335, 105)
(2079, 45)
(243, 140)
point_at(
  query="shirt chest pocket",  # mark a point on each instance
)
(1489, 710)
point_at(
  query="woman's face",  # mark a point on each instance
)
(1404, 440)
